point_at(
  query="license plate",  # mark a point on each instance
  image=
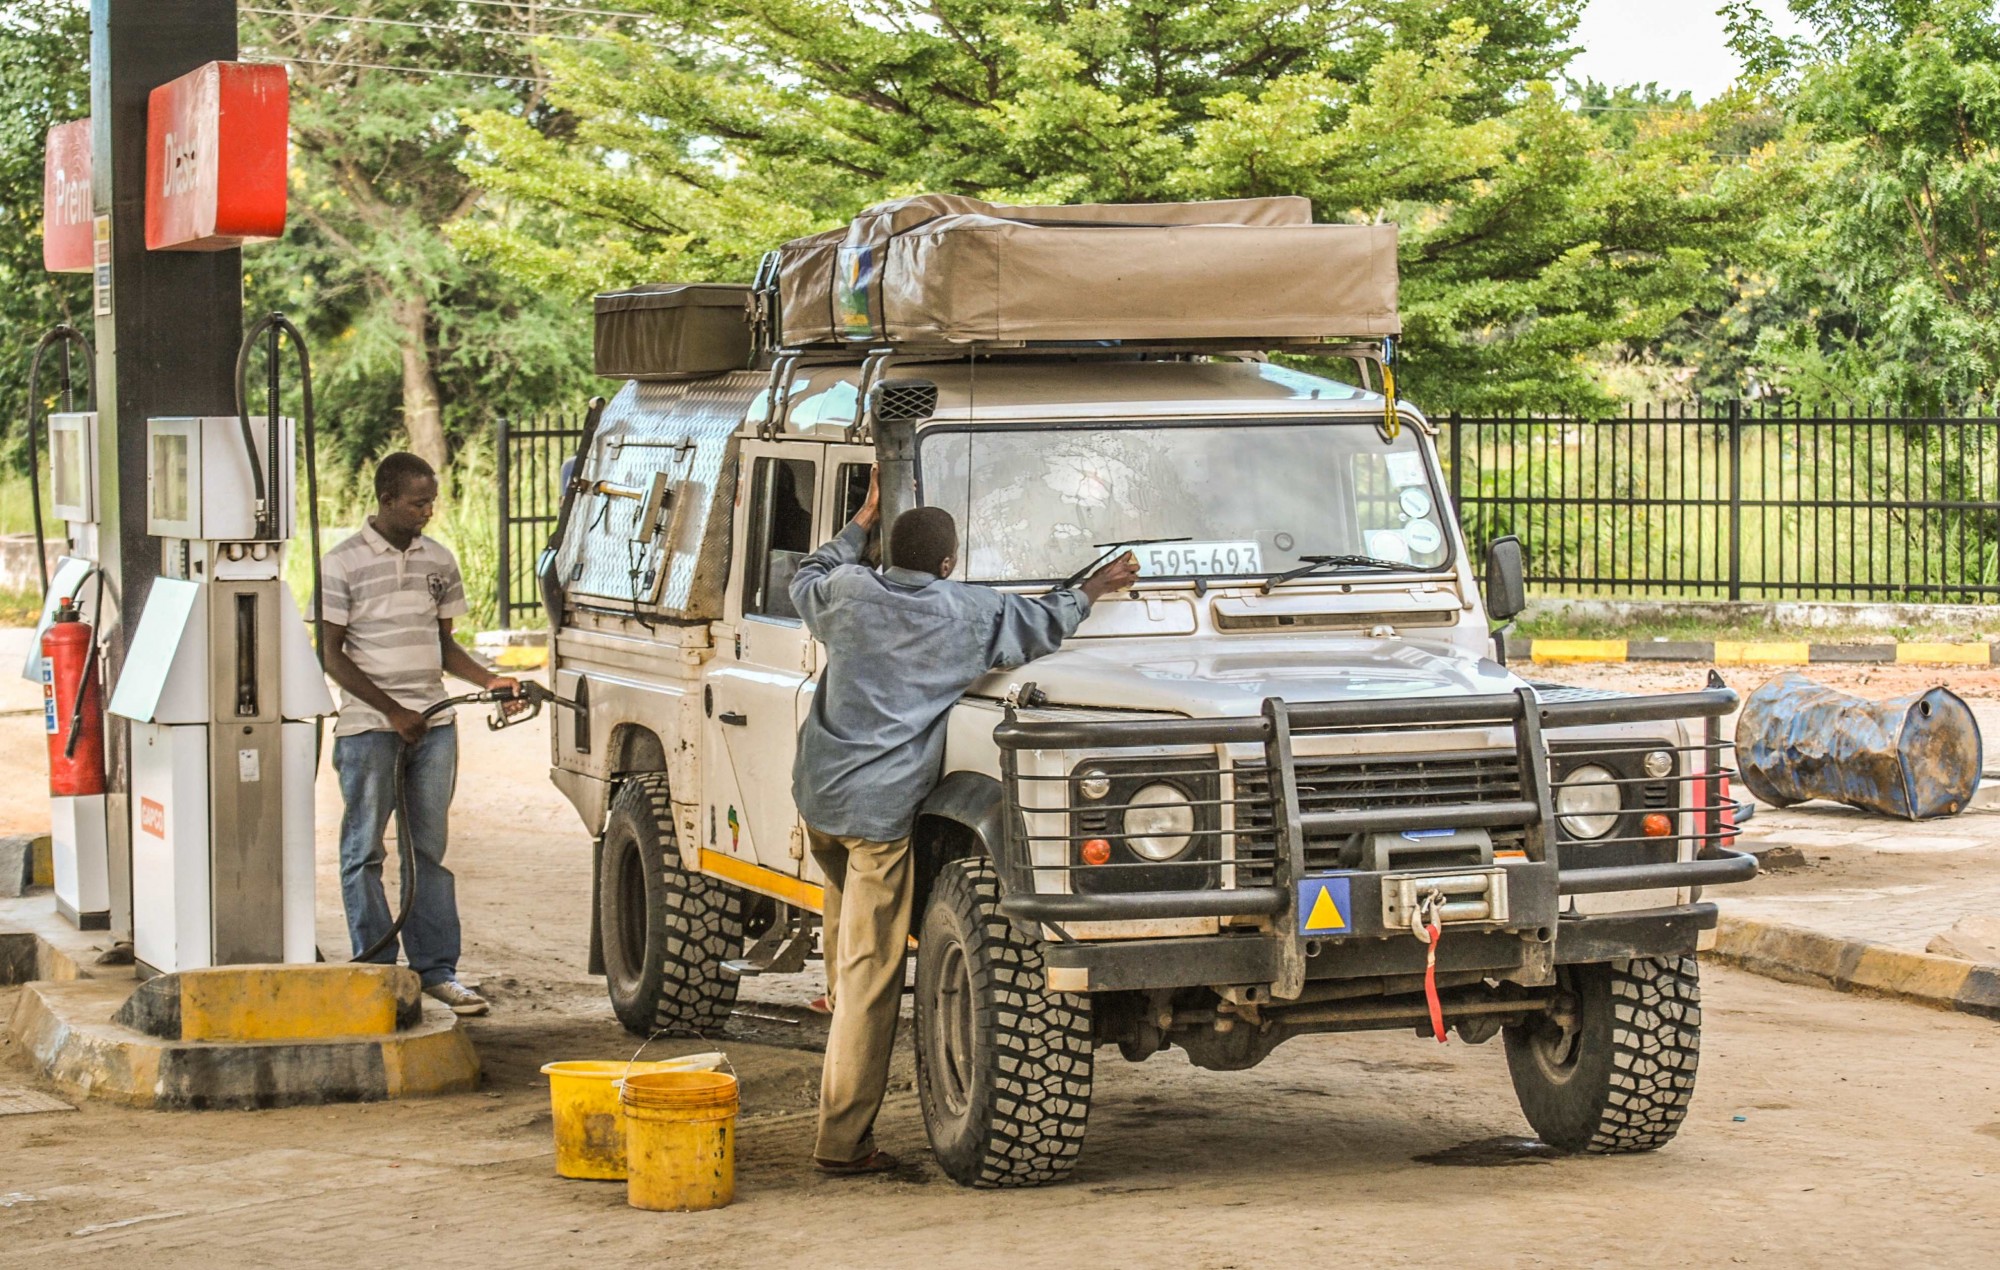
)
(1199, 559)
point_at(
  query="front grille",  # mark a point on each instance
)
(1360, 782)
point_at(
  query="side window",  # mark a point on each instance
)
(781, 501)
(852, 481)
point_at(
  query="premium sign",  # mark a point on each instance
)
(66, 199)
(215, 158)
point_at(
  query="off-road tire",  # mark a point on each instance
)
(1003, 1065)
(666, 931)
(1621, 1079)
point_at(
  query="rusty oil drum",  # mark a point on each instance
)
(1915, 756)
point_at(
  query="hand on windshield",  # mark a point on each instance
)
(1115, 576)
(870, 513)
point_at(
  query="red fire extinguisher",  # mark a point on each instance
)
(69, 663)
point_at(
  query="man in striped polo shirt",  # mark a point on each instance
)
(390, 596)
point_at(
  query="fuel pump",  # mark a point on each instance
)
(224, 693)
(63, 656)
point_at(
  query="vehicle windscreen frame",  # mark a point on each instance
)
(1446, 566)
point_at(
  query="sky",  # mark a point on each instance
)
(1678, 43)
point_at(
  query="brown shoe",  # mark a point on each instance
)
(873, 1162)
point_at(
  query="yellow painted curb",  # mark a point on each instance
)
(520, 657)
(1577, 650)
(288, 1003)
(1797, 955)
(43, 868)
(1944, 654)
(67, 1032)
(1733, 652)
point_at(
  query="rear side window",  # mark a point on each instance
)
(781, 523)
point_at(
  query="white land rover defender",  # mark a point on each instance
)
(1281, 786)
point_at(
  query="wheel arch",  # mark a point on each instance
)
(634, 750)
(961, 818)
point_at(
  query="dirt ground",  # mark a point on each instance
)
(1826, 1129)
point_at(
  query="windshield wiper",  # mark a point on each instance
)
(1111, 549)
(1324, 564)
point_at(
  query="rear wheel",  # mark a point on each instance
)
(666, 931)
(1611, 1069)
(1003, 1065)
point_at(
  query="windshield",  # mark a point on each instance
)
(1249, 498)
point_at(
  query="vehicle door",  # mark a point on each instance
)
(764, 657)
(846, 488)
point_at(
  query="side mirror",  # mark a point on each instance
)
(1506, 588)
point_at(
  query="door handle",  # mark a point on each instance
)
(732, 718)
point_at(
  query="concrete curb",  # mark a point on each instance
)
(1728, 652)
(1797, 955)
(68, 1032)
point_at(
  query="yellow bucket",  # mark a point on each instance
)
(680, 1136)
(589, 1125)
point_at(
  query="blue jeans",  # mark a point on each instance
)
(366, 764)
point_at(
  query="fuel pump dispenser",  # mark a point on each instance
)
(63, 656)
(224, 692)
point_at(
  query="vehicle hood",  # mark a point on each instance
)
(1214, 677)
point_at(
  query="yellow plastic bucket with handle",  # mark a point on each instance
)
(589, 1123)
(680, 1140)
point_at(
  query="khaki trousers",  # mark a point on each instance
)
(865, 938)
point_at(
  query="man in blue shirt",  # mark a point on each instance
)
(903, 644)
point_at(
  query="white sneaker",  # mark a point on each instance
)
(462, 1000)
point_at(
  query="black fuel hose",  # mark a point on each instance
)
(274, 324)
(406, 847)
(66, 335)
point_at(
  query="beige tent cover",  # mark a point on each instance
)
(976, 278)
(811, 269)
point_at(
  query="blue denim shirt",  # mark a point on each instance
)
(902, 648)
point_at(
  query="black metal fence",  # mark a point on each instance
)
(1747, 502)
(531, 454)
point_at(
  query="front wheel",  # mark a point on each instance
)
(1611, 1069)
(1003, 1065)
(666, 931)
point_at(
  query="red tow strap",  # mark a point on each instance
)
(1431, 981)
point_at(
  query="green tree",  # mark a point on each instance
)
(1891, 264)
(405, 323)
(44, 80)
(1530, 240)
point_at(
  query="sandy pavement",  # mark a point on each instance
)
(1826, 1130)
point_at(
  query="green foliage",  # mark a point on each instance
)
(1531, 239)
(44, 80)
(418, 346)
(1889, 267)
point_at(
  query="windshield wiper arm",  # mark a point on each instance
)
(1317, 564)
(1111, 549)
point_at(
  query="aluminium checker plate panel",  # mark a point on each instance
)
(677, 566)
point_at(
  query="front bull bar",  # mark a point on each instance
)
(1273, 729)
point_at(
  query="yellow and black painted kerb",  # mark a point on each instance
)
(241, 1037)
(1795, 954)
(1751, 652)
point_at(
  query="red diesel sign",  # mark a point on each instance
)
(215, 158)
(66, 199)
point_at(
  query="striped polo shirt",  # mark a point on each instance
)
(390, 601)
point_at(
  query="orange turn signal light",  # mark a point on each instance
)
(1097, 851)
(1657, 825)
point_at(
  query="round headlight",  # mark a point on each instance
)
(1587, 802)
(1159, 824)
(1659, 763)
(1093, 784)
